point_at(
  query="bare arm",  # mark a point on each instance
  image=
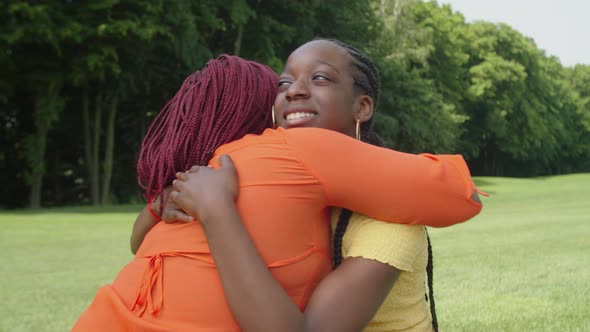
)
(250, 289)
(346, 300)
(349, 296)
(141, 227)
(145, 221)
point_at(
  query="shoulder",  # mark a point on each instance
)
(394, 244)
(269, 136)
(313, 136)
(294, 136)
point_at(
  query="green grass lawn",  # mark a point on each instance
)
(522, 265)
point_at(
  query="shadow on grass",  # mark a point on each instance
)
(126, 208)
(483, 182)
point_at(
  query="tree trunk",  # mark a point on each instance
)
(396, 9)
(96, 149)
(48, 106)
(37, 160)
(86, 126)
(109, 152)
(239, 38)
(92, 143)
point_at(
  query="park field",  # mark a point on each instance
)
(523, 264)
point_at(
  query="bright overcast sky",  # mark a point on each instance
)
(560, 27)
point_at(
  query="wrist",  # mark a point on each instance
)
(153, 209)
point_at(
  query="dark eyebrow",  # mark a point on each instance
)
(328, 64)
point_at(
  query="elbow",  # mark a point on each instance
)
(455, 212)
(467, 210)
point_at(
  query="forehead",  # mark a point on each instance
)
(319, 52)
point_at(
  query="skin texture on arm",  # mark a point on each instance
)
(143, 223)
(346, 300)
(349, 296)
(145, 220)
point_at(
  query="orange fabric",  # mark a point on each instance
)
(288, 180)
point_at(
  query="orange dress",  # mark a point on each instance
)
(288, 179)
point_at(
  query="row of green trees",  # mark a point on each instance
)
(81, 81)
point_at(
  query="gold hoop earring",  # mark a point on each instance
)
(274, 120)
(358, 129)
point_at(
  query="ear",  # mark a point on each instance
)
(364, 109)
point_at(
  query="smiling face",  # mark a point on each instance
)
(316, 89)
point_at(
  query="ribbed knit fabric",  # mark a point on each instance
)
(403, 247)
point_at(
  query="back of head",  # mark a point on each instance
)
(229, 98)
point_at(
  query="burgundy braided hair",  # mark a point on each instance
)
(229, 98)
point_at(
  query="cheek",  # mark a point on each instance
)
(340, 118)
(343, 108)
(279, 99)
(339, 98)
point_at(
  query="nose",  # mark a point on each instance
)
(297, 90)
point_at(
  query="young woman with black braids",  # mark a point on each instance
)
(288, 181)
(380, 285)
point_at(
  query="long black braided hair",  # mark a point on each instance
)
(366, 77)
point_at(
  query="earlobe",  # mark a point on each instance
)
(365, 108)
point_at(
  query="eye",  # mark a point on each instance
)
(283, 83)
(320, 77)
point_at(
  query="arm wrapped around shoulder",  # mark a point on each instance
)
(388, 185)
(425, 189)
(456, 188)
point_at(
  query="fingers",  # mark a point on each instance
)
(194, 169)
(177, 185)
(182, 176)
(182, 216)
(225, 161)
(171, 213)
(167, 190)
(178, 215)
(174, 195)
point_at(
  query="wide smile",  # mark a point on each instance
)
(298, 118)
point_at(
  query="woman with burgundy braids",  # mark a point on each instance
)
(288, 181)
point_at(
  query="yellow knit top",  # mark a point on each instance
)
(403, 247)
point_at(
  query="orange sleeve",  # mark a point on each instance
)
(431, 190)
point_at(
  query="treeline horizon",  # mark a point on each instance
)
(81, 81)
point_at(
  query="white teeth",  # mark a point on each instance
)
(299, 115)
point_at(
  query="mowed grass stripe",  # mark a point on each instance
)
(521, 265)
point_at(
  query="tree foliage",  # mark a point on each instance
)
(81, 81)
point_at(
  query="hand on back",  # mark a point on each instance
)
(202, 192)
(171, 212)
